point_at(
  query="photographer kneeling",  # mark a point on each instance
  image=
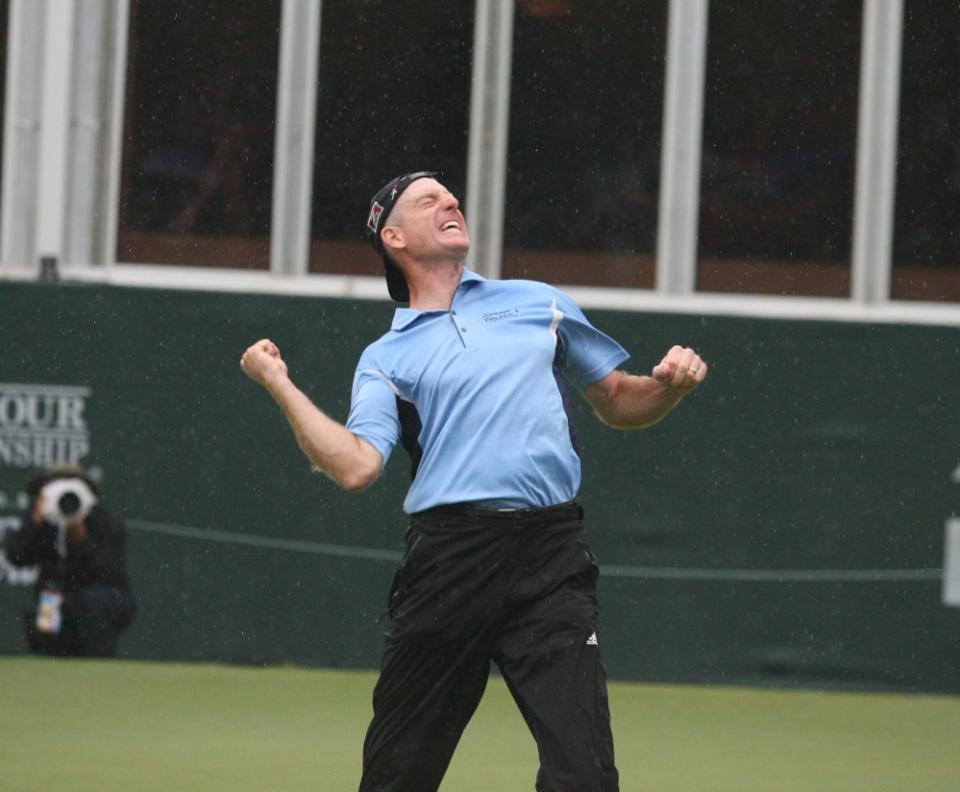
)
(83, 593)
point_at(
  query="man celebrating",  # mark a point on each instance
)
(471, 380)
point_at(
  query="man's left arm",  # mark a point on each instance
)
(628, 401)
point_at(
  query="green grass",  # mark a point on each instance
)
(87, 725)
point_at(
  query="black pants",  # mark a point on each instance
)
(93, 618)
(476, 585)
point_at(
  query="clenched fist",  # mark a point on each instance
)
(681, 368)
(263, 364)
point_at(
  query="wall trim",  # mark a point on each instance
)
(364, 287)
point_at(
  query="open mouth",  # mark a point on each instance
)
(450, 225)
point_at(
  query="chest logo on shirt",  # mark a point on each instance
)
(498, 316)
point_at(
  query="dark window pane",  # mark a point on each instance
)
(779, 147)
(584, 151)
(197, 176)
(394, 97)
(926, 251)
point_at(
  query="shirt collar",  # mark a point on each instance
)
(404, 317)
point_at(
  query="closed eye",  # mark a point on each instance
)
(430, 198)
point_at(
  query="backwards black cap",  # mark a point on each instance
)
(380, 207)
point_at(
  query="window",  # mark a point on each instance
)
(394, 97)
(584, 143)
(197, 177)
(926, 241)
(779, 147)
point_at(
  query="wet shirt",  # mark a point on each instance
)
(477, 394)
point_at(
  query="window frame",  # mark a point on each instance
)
(88, 233)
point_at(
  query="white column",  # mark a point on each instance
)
(677, 222)
(489, 131)
(95, 135)
(876, 150)
(21, 134)
(54, 128)
(62, 131)
(105, 247)
(295, 133)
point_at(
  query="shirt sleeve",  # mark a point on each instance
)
(21, 547)
(373, 411)
(586, 354)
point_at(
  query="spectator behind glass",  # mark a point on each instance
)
(83, 599)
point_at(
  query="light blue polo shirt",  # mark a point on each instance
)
(477, 396)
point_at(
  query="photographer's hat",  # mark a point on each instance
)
(38, 481)
(380, 207)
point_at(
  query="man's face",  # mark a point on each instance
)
(430, 221)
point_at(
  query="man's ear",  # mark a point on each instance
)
(392, 237)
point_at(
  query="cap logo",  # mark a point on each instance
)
(374, 219)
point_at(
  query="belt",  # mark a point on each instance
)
(570, 510)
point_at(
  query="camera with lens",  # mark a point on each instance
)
(67, 500)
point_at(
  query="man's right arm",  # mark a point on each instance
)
(20, 547)
(332, 448)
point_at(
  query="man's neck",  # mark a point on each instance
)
(432, 286)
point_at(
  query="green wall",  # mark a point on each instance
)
(738, 539)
